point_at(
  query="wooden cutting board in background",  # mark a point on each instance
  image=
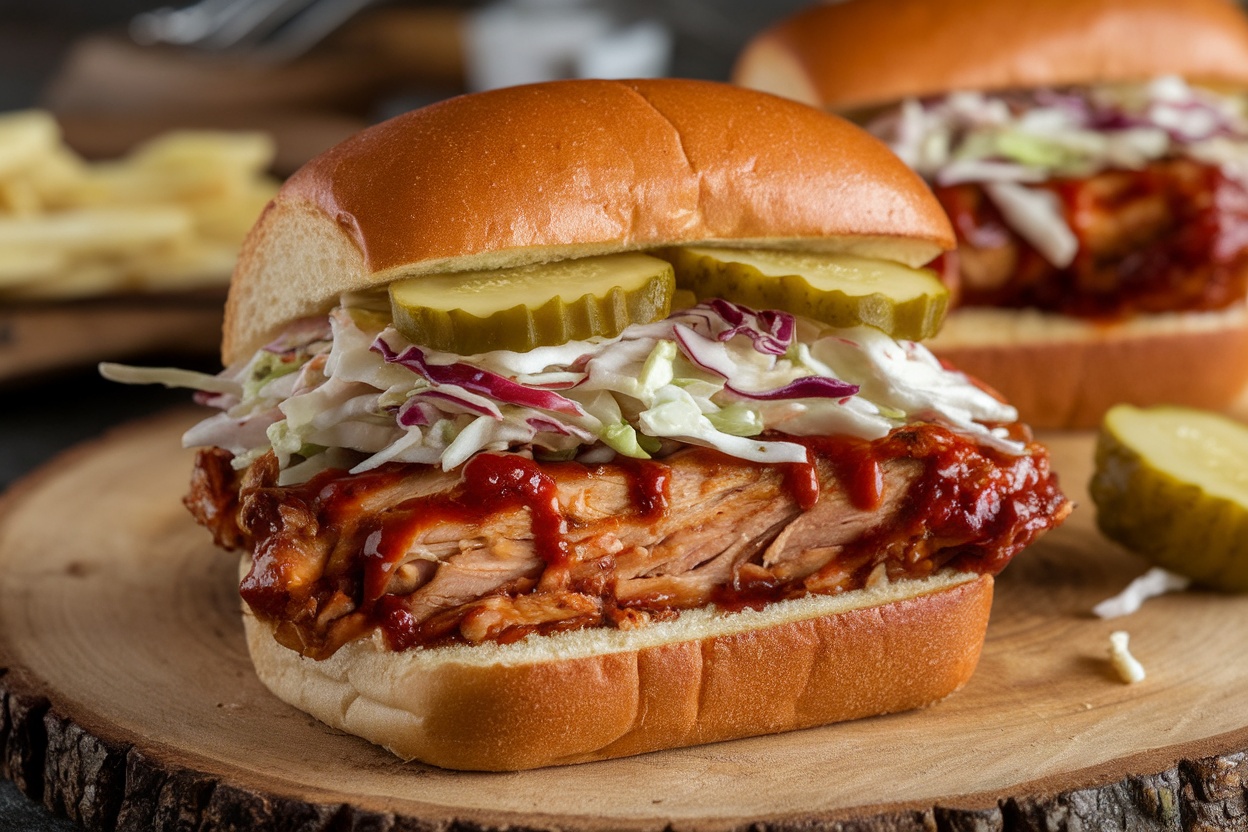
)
(128, 699)
(39, 337)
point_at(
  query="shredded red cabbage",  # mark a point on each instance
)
(807, 387)
(770, 330)
(703, 352)
(417, 414)
(477, 380)
(712, 357)
(546, 424)
(476, 404)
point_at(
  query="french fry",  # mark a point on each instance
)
(97, 230)
(230, 217)
(82, 280)
(190, 266)
(168, 217)
(250, 153)
(53, 175)
(20, 197)
(180, 166)
(20, 265)
(24, 136)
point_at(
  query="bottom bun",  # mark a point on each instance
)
(595, 694)
(1063, 372)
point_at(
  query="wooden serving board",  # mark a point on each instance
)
(129, 700)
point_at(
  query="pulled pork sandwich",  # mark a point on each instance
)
(1093, 156)
(567, 421)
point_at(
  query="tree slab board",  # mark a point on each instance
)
(128, 701)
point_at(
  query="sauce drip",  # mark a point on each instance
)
(855, 463)
(801, 479)
(649, 486)
(496, 482)
(491, 483)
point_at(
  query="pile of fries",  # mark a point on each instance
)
(167, 218)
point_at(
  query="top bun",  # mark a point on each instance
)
(863, 53)
(570, 169)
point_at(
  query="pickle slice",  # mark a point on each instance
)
(839, 289)
(1171, 483)
(532, 306)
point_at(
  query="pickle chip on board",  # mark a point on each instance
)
(1171, 483)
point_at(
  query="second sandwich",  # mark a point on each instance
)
(1093, 156)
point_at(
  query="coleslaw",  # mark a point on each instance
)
(348, 391)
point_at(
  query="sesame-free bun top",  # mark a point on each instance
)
(862, 53)
(569, 169)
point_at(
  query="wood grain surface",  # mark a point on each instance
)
(127, 699)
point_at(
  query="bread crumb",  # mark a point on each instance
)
(1128, 668)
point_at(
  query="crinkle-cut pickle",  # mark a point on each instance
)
(532, 306)
(839, 289)
(1171, 483)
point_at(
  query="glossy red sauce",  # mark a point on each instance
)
(801, 480)
(649, 485)
(856, 466)
(491, 484)
(330, 500)
(752, 590)
(496, 482)
(983, 504)
(401, 629)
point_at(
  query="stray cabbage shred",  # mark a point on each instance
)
(350, 392)
(1006, 141)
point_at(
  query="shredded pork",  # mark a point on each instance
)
(420, 554)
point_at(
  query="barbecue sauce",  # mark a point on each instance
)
(801, 479)
(497, 482)
(649, 483)
(966, 506)
(856, 466)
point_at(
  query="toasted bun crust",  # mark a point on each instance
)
(831, 54)
(569, 169)
(595, 694)
(1062, 372)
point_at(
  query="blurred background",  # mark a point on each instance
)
(115, 71)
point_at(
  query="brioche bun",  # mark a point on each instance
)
(833, 55)
(570, 169)
(596, 694)
(1063, 372)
